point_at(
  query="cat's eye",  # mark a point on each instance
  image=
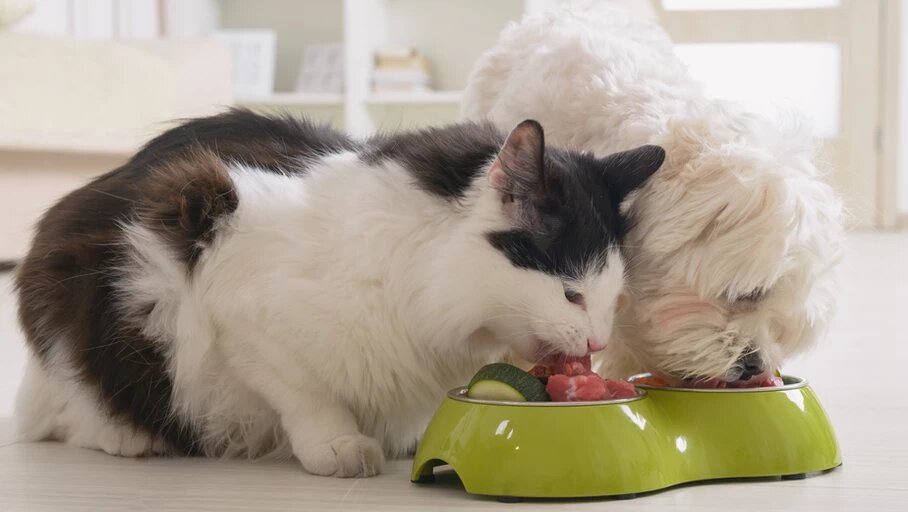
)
(575, 298)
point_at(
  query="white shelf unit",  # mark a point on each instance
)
(70, 145)
(415, 98)
(451, 34)
(293, 99)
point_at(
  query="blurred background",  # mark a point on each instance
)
(83, 83)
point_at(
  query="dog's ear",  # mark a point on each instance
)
(628, 170)
(518, 174)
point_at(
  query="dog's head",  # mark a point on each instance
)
(731, 256)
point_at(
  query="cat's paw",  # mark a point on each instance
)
(345, 456)
(119, 440)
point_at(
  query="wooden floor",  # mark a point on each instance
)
(860, 373)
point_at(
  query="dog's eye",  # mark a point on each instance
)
(754, 296)
(574, 297)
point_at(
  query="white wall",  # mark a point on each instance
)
(903, 128)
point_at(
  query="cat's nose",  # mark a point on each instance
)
(594, 345)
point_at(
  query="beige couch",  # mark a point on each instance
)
(71, 109)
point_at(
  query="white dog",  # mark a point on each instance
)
(736, 238)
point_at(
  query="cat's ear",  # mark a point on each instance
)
(628, 170)
(518, 172)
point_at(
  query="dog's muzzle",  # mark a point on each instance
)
(747, 366)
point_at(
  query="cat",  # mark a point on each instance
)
(250, 286)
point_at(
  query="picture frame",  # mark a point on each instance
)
(322, 69)
(253, 54)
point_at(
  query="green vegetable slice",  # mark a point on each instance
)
(506, 383)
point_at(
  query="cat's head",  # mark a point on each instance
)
(550, 227)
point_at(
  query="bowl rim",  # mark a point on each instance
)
(460, 394)
(798, 383)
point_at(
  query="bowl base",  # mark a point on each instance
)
(429, 478)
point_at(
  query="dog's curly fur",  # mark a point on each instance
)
(736, 239)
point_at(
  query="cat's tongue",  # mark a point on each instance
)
(561, 364)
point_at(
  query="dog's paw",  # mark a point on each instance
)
(345, 456)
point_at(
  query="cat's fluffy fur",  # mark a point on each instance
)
(247, 285)
(735, 241)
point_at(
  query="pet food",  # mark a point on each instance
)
(768, 382)
(570, 379)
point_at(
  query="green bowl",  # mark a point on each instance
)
(662, 438)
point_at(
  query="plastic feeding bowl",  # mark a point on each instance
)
(662, 438)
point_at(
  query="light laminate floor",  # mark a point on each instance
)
(859, 373)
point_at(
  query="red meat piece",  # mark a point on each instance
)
(571, 379)
(652, 380)
(620, 388)
(562, 365)
(761, 382)
(579, 388)
(706, 384)
(540, 371)
(587, 388)
(569, 365)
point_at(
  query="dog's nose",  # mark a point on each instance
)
(751, 364)
(594, 345)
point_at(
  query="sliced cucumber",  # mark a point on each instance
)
(495, 390)
(506, 383)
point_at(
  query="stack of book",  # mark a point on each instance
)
(400, 70)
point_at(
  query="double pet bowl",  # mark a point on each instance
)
(661, 438)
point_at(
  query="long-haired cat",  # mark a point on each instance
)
(250, 286)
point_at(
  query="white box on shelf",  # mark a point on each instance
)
(415, 97)
(253, 54)
(322, 69)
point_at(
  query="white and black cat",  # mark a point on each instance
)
(251, 286)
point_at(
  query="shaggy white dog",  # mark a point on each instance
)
(736, 238)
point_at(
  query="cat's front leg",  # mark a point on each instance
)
(322, 431)
(326, 440)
